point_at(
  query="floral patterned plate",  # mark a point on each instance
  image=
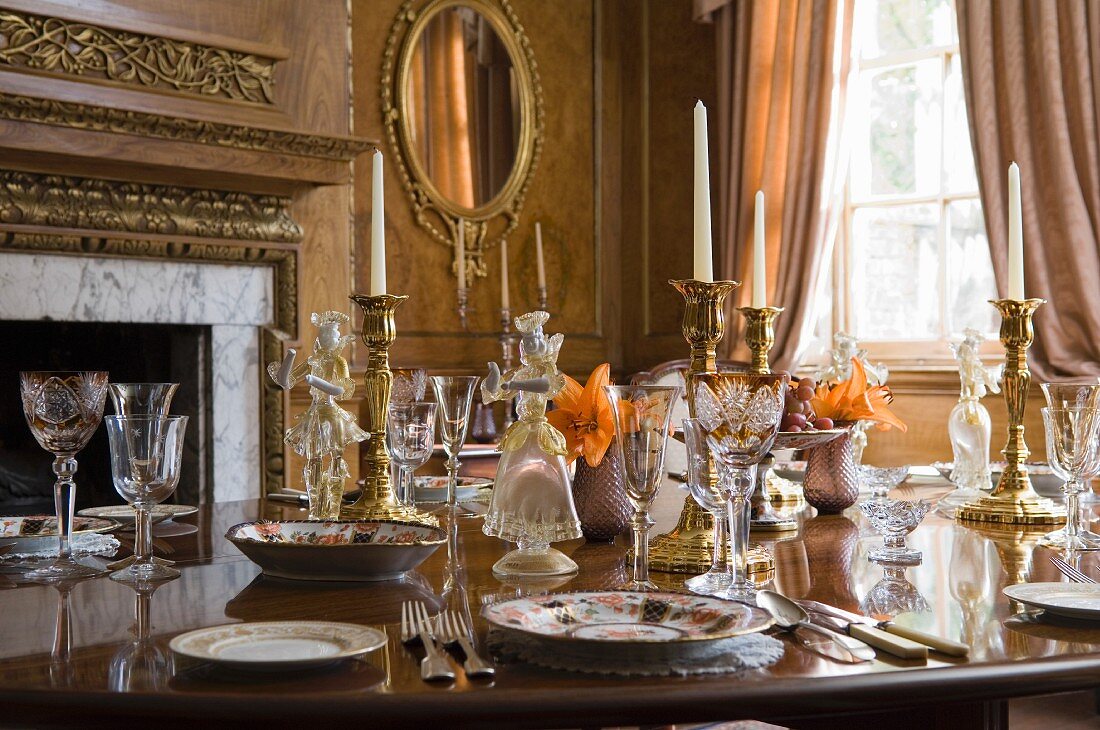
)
(349, 550)
(278, 645)
(627, 617)
(46, 526)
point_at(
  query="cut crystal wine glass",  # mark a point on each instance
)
(1074, 454)
(146, 452)
(454, 395)
(409, 385)
(709, 495)
(63, 410)
(643, 414)
(740, 413)
(410, 437)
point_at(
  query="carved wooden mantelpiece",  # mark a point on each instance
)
(93, 217)
(56, 46)
(76, 115)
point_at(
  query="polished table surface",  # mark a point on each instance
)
(61, 649)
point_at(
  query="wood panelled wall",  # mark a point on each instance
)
(612, 189)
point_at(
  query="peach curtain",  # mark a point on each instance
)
(782, 68)
(1031, 73)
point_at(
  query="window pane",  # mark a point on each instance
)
(901, 151)
(957, 155)
(895, 273)
(970, 282)
(889, 26)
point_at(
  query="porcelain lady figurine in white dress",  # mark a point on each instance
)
(532, 502)
(325, 429)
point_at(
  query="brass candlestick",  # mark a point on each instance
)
(506, 361)
(1014, 501)
(378, 501)
(760, 334)
(689, 547)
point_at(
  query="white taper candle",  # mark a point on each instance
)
(704, 259)
(377, 230)
(1015, 235)
(759, 272)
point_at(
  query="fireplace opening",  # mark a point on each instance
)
(130, 353)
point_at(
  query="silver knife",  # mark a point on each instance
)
(938, 643)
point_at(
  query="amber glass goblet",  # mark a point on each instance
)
(740, 413)
(63, 410)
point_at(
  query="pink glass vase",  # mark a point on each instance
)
(600, 497)
(831, 484)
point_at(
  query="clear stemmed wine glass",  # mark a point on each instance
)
(643, 414)
(142, 399)
(1079, 393)
(453, 394)
(145, 463)
(709, 496)
(63, 410)
(740, 413)
(1074, 455)
(410, 436)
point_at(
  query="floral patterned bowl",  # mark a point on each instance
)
(627, 617)
(351, 550)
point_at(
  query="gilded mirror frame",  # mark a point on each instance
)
(487, 224)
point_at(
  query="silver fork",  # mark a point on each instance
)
(453, 632)
(434, 665)
(1069, 571)
(408, 624)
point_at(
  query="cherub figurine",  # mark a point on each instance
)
(969, 425)
(532, 501)
(325, 429)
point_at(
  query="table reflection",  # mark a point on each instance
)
(143, 665)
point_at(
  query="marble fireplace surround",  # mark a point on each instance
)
(237, 302)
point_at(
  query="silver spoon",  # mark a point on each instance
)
(789, 615)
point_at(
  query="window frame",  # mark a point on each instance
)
(927, 352)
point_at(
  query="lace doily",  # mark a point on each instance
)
(91, 543)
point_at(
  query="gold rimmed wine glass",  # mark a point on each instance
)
(740, 413)
(63, 409)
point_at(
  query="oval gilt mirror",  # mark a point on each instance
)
(463, 108)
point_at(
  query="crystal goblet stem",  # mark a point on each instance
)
(641, 524)
(742, 481)
(64, 500)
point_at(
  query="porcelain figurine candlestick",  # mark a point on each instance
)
(1014, 501)
(378, 500)
(689, 547)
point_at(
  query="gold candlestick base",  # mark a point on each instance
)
(1014, 501)
(689, 547)
(760, 334)
(378, 501)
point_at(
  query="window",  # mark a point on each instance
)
(912, 266)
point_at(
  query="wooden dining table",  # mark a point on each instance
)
(64, 648)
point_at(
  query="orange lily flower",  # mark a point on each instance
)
(584, 417)
(856, 400)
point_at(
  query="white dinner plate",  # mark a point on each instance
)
(434, 488)
(125, 514)
(278, 645)
(1074, 600)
